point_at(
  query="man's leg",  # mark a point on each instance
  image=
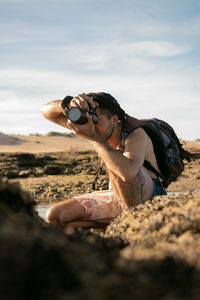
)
(95, 209)
(65, 212)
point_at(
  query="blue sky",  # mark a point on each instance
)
(145, 53)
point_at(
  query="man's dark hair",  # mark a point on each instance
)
(108, 102)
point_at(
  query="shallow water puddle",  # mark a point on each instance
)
(42, 210)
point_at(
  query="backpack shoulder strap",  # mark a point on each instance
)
(129, 125)
(149, 166)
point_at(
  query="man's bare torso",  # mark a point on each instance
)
(149, 154)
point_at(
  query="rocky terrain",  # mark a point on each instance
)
(148, 252)
(51, 176)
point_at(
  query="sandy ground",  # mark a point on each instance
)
(44, 143)
(55, 142)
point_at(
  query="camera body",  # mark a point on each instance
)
(78, 115)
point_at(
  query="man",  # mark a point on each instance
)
(131, 182)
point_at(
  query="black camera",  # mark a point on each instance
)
(78, 115)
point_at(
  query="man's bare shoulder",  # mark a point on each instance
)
(138, 135)
(141, 145)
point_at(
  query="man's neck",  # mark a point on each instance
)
(114, 140)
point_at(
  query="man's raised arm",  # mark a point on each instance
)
(53, 112)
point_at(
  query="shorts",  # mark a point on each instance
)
(104, 206)
(158, 188)
(101, 206)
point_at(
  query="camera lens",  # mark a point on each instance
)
(77, 115)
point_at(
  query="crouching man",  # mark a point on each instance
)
(105, 128)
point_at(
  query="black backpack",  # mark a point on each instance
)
(169, 152)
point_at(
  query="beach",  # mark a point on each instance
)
(148, 252)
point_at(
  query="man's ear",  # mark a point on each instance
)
(115, 119)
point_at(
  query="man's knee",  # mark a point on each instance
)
(56, 216)
(52, 216)
(67, 211)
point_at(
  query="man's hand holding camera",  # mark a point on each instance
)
(82, 101)
(82, 117)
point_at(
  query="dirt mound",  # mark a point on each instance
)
(149, 252)
(15, 200)
(167, 227)
(6, 139)
(42, 262)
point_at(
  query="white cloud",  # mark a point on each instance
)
(92, 53)
(115, 57)
(19, 31)
(157, 49)
(167, 96)
(33, 80)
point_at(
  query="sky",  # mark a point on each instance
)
(145, 53)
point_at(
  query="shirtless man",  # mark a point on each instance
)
(131, 182)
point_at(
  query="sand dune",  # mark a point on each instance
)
(42, 143)
(9, 140)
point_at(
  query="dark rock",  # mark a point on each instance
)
(10, 173)
(29, 160)
(53, 170)
(16, 200)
